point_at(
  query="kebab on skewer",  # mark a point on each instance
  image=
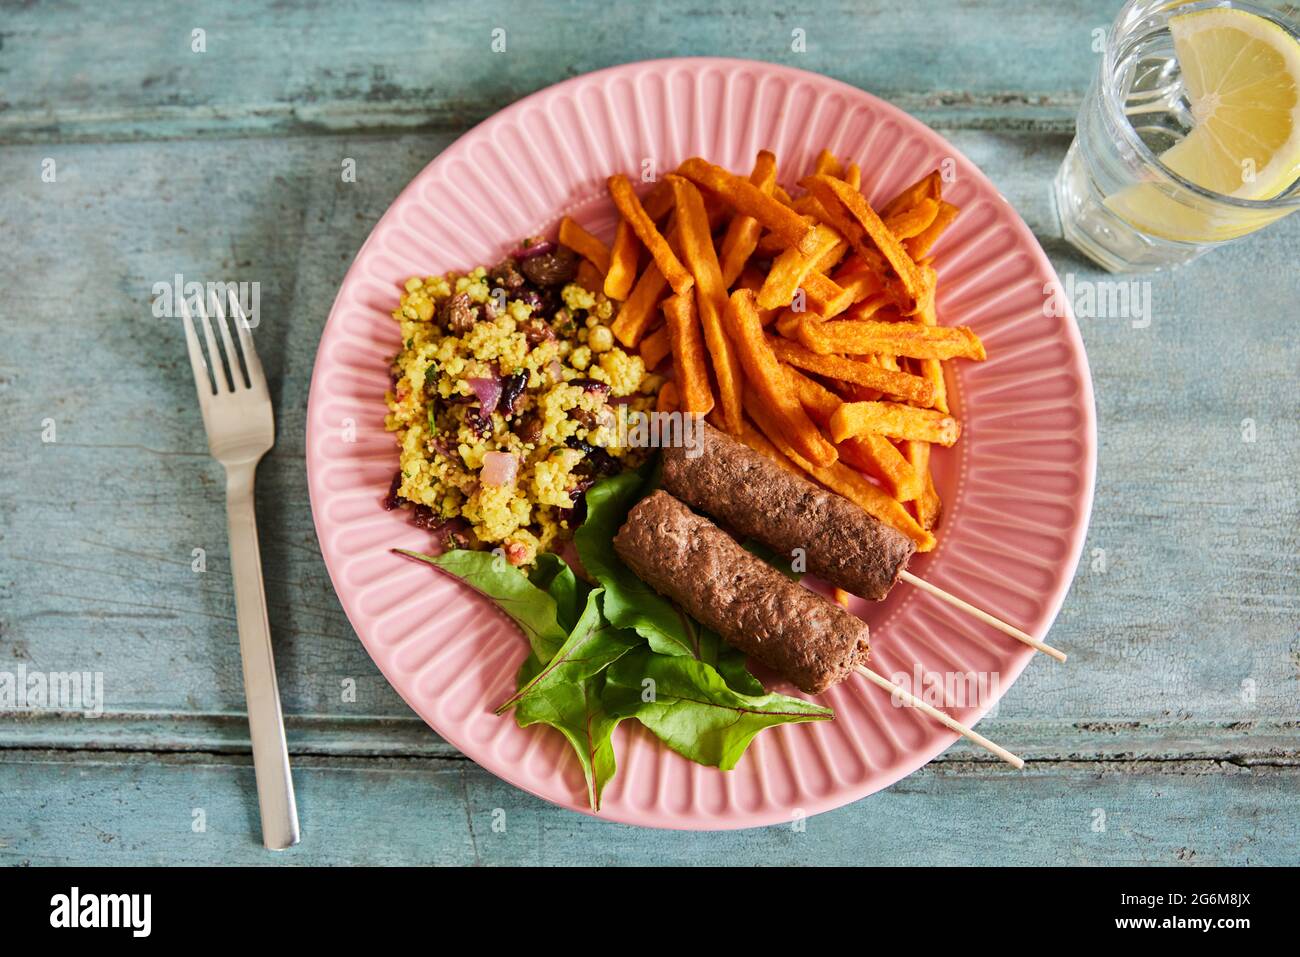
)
(808, 640)
(843, 544)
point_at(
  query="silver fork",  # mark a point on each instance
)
(241, 429)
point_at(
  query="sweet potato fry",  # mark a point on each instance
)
(622, 262)
(826, 163)
(589, 277)
(927, 505)
(639, 311)
(584, 244)
(658, 203)
(919, 245)
(877, 456)
(711, 296)
(932, 369)
(894, 420)
(768, 381)
(891, 338)
(687, 343)
(852, 392)
(805, 205)
(748, 199)
(824, 294)
(849, 212)
(857, 280)
(770, 246)
(869, 307)
(929, 186)
(842, 480)
(668, 400)
(870, 453)
(912, 221)
(743, 231)
(819, 401)
(655, 347)
(791, 267)
(646, 231)
(911, 388)
(787, 323)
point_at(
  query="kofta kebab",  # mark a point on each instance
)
(808, 335)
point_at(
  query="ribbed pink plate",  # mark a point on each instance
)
(1017, 488)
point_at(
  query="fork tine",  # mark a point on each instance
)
(214, 355)
(256, 377)
(236, 375)
(199, 365)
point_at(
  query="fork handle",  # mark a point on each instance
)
(265, 721)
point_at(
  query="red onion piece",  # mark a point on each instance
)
(535, 249)
(488, 392)
(499, 469)
(555, 370)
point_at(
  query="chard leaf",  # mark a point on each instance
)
(731, 666)
(554, 576)
(531, 607)
(693, 710)
(629, 602)
(728, 662)
(566, 693)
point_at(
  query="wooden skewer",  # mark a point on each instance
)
(982, 615)
(953, 723)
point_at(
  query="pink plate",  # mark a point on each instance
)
(1017, 488)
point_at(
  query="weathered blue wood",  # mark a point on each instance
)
(87, 809)
(1266, 741)
(1185, 653)
(88, 70)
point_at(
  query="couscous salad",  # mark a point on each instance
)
(507, 398)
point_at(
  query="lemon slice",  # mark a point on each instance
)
(1241, 73)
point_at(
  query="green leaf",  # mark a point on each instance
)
(728, 662)
(629, 602)
(731, 665)
(566, 693)
(553, 575)
(693, 710)
(531, 607)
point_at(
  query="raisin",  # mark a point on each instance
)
(551, 269)
(506, 275)
(462, 313)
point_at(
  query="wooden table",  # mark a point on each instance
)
(1171, 737)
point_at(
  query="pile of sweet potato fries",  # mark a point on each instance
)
(804, 326)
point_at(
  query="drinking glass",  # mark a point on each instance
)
(1117, 203)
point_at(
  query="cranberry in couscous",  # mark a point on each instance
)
(507, 399)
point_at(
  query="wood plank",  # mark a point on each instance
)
(80, 71)
(1265, 741)
(140, 809)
